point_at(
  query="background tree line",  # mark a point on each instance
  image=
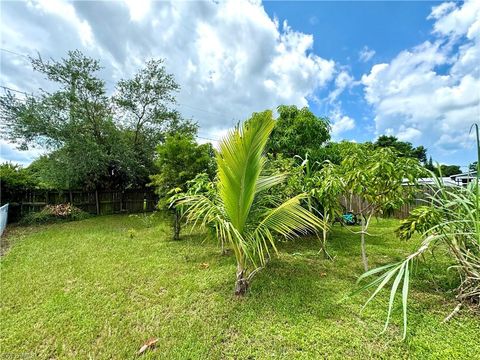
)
(135, 135)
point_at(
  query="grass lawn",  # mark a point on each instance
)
(87, 290)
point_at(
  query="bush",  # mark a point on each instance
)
(54, 213)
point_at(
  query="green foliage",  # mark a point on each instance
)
(420, 220)
(179, 160)
(242, 213)
(451, 220)
(329, 186)
(447, 170)
(144, 106)
(378, 175)
(402, 148)
(131, 233)
(334, 152)
(297, 132)
(375, 176)
(94, 141)
(14, 178)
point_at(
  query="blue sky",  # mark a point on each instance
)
(343, 29)
(408, 69)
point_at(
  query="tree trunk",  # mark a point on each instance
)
(324, 245)
(241, 285)
(176, 226)
(364, 250)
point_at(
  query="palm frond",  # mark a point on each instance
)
(240, 163)
(288, 220)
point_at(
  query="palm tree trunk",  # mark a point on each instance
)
(241, 285)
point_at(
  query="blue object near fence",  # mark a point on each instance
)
(3, 218)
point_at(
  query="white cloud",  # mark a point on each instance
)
(409, 134)
(230, 58)
(430, 94)
(67, 12)
(343, 81)
(340, 122)
(138, 8)
(366, 54)
(9, 153)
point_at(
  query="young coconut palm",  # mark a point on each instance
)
(241, 212)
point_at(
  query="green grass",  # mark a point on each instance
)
(88, 290)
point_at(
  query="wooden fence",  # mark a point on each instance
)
(93, 202)
(355, 203)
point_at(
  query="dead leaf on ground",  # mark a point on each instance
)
(323, 274)
(150, 343)
(204, 265)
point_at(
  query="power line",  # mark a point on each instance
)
(206, 138)
(14, 90)
(14, 53)
(108, 83)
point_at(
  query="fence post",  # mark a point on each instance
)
(71, 198)
(96, 202)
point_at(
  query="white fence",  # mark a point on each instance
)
(3, 218)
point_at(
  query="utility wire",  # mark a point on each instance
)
(14, 53)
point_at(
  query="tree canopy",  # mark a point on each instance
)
(95, 141)
(297, 132)
(403, 148)
(180, 159)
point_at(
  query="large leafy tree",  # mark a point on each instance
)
(403, 148)
(92, 143)
(74, 122)
(144, 107)
(242, 213)
(297, 132)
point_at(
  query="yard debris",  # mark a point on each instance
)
(204, 265)
(150, 343)
(453, 313)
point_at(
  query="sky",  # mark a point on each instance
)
(408, 69)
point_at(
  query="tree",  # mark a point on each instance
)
(144, 108)
(13, 179)
(447, 170)
(403, 148)
(92, 143)
(74, 122)
(179, 160)
(241, 213)
(473, 166)
(429, 166)
(376, 177)
(327, 188)
(297, 132)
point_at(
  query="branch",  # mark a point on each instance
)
(453, 313)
